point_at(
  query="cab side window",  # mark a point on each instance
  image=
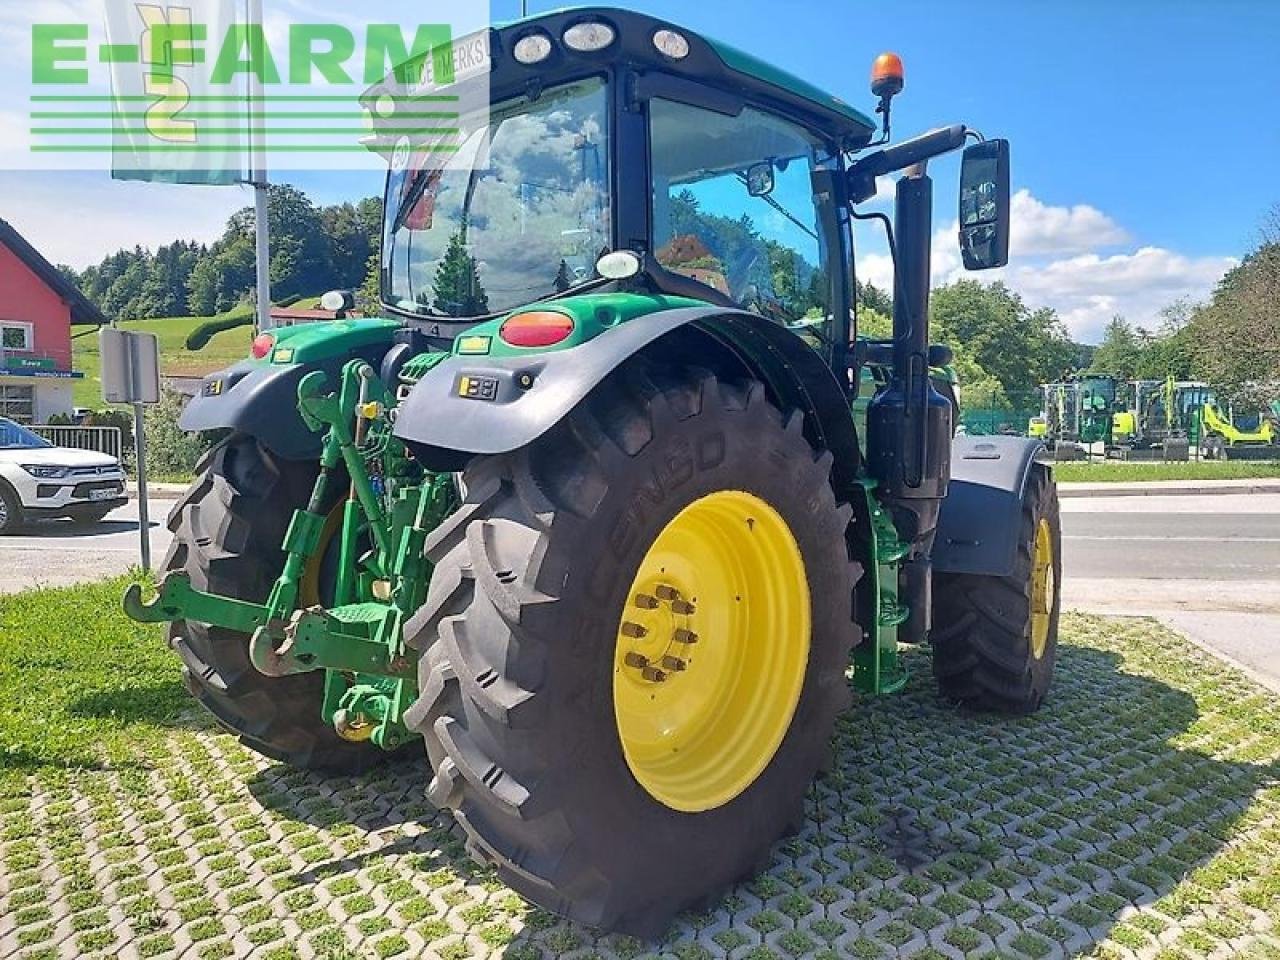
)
(733, 208)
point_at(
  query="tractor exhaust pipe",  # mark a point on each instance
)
(909, 422)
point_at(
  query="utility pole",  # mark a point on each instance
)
(258, 177)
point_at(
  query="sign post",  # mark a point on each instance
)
(131, 374)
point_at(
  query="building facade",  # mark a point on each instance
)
(38, 306)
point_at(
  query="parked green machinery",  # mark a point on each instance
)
(1082, 411)
(581, 512)
(1186, 413)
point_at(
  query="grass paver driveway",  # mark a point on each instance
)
(1138, 815)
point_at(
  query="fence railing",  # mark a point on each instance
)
(984, 413)
(108, 440)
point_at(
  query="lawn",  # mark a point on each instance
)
(1137, 814)
(223, 349)
(1119, 472)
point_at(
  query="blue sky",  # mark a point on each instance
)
(1146, 136)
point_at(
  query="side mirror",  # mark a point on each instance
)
(760, 179)
(984, 205)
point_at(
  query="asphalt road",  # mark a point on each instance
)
(1219, 538)
(57, 553)
(1207, 565)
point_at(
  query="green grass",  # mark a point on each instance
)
(223, 349)
(80, 683)
(1118, 472)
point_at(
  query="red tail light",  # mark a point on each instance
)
(262, 345)
(539, 328)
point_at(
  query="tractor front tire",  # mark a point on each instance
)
(227, 536)
(995, 639)
(635, 648)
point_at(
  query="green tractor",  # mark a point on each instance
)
(1082, 411)
(585, 511)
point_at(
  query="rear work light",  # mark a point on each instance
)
(538, 328)
(533, 48)
(589, 37)
(262, 345)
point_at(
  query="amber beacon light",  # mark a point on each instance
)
(887, 76)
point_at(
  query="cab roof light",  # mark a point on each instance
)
(537, 328)
(532, 49)
(672, 45)
(590, 36)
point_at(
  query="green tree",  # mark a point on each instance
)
(871, 296)
(1120, 350)
(369, 296)
(1235, 337)
(874, 324)
(457, 289)
(354, 233)
(992, 328)
(1170, 352)
(170, 450)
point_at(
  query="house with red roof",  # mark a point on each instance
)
(38, 306)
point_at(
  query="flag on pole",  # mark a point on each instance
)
(170, 123)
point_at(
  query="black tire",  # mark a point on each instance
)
(982, 649)
(11, 516)
(531, 578)
(227, 530)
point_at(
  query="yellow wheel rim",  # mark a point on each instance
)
(1043, 589)
(309, 584)
(711, 652)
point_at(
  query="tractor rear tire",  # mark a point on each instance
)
(227, 536)
(995, 639)
(527, 679)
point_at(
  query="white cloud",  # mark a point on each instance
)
(1088, 290)
(1042, 229)
(78, 218)
(1066, 258)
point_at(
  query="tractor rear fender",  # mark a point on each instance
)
(260, 397)
(488, 405)
(982, 514)
(260, 400)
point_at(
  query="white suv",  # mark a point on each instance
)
(39, 480)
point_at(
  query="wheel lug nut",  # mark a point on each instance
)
(667, 593)
(636, 660)
(653, 674)
(674, 664)
(683, 607)
(634, 630)
(684, 636)
(645, 602)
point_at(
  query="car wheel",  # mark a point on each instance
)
(10, 509)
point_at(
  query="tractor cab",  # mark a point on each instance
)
(605, 131)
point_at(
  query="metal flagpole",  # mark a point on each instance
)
(258, 174)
